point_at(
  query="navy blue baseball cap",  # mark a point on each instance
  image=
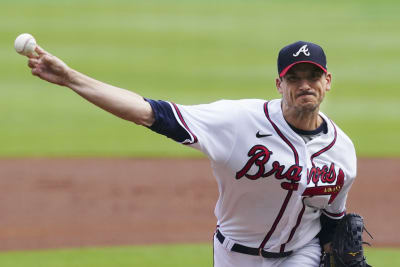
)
(300, 52)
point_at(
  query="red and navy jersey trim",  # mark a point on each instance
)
(166, 123)
(334, 215)
(318, 153)
(303, 209)
(295, 154)
(295, 227)
(301, 213)
(193, 138)
(290, 191)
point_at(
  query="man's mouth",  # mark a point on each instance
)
(305, 94)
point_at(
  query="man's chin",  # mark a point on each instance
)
(307, 106)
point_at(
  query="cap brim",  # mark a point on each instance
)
(285, 70)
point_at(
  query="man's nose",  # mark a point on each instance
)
(304, 84)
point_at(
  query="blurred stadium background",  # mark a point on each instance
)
(192, 52)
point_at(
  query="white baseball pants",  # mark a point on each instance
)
(307, 256)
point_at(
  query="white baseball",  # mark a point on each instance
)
(25, 44)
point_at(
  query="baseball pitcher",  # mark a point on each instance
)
(283, 168)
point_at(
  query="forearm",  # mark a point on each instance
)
(120, 102)
(328, 227)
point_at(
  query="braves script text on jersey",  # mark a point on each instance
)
(273, 185)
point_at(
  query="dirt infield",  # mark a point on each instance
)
(52, 203)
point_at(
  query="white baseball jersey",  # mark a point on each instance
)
(272, 184)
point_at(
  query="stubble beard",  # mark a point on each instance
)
(300, 110)
(304, 107)
(307, 108)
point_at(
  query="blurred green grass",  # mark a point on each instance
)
(143, 256)
(192, 52)
(195, 255)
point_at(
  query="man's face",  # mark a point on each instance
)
(303, 87)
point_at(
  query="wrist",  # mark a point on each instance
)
(71, 78)
(328, 247)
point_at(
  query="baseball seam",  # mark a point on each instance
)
(25, 44)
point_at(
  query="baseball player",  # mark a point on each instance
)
(283, 168)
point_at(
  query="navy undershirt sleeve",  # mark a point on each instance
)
(165, 122)
(328, 227)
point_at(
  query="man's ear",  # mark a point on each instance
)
(328, 78)
(278, 82)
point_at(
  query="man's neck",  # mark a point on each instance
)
(305, 120)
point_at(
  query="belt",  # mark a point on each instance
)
(252, 251)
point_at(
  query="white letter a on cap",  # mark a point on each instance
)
(303, 49)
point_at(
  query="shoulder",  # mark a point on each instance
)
(230, 106)
(341, 136)
(345, 149)
(239, 102)
(264, 105)
(251, 104)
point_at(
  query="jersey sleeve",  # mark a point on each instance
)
(210, 128)
(337, 209)
(165, 122)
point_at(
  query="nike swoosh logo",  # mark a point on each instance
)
(258, 135)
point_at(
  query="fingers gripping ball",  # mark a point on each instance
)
(25, 44)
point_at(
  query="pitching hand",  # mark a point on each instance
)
(48, 67)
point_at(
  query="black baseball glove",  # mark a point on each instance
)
(347, 244)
